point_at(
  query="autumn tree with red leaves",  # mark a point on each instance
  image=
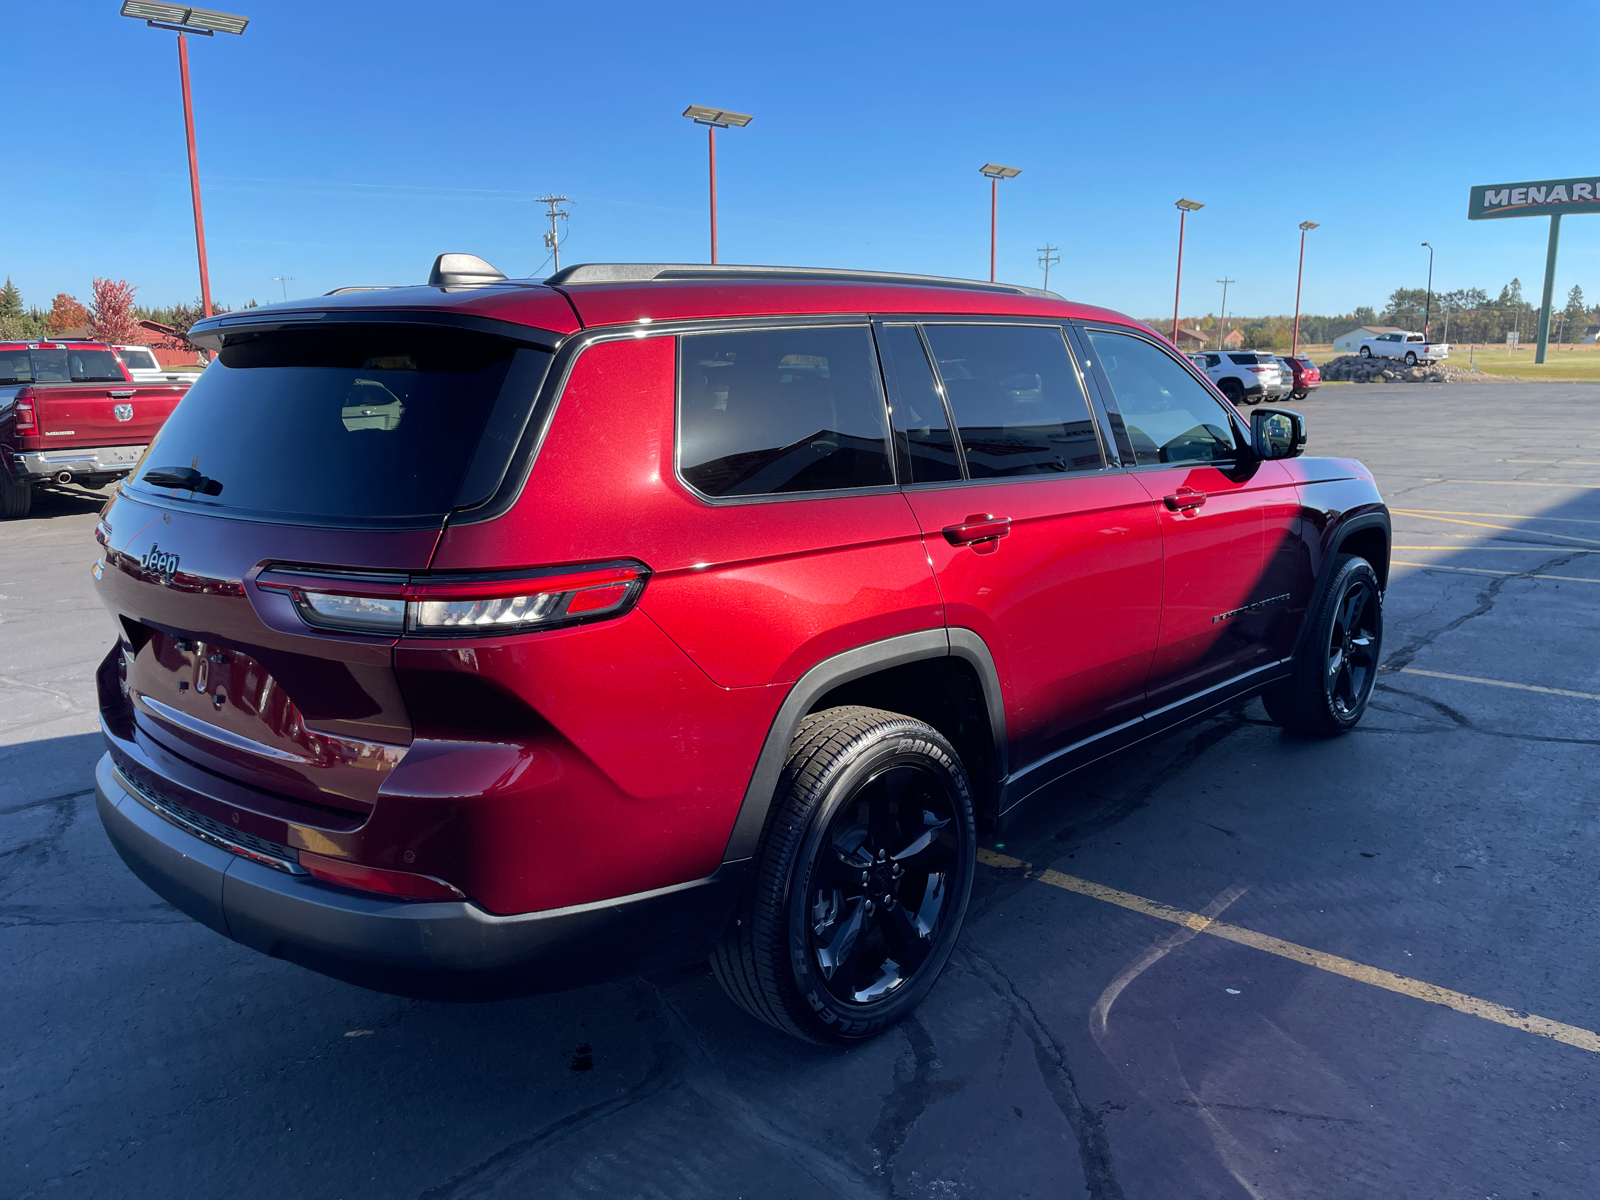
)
(111, 314)
(66, 313)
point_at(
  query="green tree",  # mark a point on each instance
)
(1364, 316)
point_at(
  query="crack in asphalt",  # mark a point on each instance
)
(908, 1099)
(37, 850)
(1460, 721)
(1087, 1124)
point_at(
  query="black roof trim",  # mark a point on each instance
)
(664, 272)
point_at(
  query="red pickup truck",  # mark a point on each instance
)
(70, 413)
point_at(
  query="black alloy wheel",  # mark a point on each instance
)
(1337, 665)
(1351, 662)
(1233, 390)
(861, 885)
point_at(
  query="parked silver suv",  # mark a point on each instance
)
(1245, 376)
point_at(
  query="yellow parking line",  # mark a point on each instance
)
(1412, 512)
(1521, 687)
(1572, 1035)
(1487, 571)
(1450, 512)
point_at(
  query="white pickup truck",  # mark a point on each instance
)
(1399, 344)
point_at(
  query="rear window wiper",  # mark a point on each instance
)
(182, 477)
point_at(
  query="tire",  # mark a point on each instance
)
(1411, 358)
(16, 497)
(1232, 389)
(1366, 352)
(1338, 663)
(815, 950)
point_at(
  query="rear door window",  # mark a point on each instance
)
(920, 420)
(1016, 398)
(769, 411)
(352, 425)
(1168, 414)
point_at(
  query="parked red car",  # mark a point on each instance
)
(496, 636)
(1307, 378)
(70, 413)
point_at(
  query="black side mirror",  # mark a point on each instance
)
(1277, 433)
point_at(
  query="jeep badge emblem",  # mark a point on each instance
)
(159, 563)
(124, 412)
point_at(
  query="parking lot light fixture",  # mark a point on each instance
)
(995, 173)
(181, 19)
(1185, 207)
(1305, 228)
(714, 119)
(1427, 311)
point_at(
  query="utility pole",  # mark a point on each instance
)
(1222, 325)
(552, 239)
(1427, 311)
(285, 280)
(1048, 255)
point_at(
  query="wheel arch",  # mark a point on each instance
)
(946, 677)
(1367, 534)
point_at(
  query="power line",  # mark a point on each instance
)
(552, 238)
(1047, 255)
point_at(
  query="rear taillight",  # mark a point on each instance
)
(27, 423)
(1257, 370)
(377, 879)
(459, 605)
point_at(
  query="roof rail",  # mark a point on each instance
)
(650, 272)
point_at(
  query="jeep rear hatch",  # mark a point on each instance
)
(383, 425)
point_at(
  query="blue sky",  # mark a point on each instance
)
(347, 143)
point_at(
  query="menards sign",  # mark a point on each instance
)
(1547, 198)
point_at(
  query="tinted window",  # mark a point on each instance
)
(1016, 399)
(365, 423)
(919, 416)
(781, 410)
(141, 360)
(1213, 360)
(1169, 415)
(70, 365)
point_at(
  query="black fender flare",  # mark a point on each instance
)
(1376, 518)
(843, 668)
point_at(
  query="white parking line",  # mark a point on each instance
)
(1487, 571)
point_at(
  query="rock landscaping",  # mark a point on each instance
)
(1352, 368)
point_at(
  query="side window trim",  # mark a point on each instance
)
(760, 326)
(1241, 434)
(1117, 455)
(891, 391)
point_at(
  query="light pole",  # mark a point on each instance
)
(181, 20)
(1222, 325)
(1185, 207)
(1305, 228)
(714, 119)
(1427, 312)
(995, 173)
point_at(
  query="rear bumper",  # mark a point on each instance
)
(40, 465)
(433, 950)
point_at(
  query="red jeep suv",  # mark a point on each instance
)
(497, 636)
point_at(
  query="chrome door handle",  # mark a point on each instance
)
(978, 527)
(1185, 499)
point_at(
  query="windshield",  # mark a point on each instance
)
(64, 364)
(358, 424)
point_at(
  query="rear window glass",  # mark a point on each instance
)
(141, 360)
(361, 424)
(68, 365)
(781, 410)
(1016, 399)
(1252, 360)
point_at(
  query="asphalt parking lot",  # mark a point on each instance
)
(1290, 1040)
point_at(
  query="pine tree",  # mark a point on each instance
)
(10, 301)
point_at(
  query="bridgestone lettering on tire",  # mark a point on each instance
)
(1338, 663)
(861, 880)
